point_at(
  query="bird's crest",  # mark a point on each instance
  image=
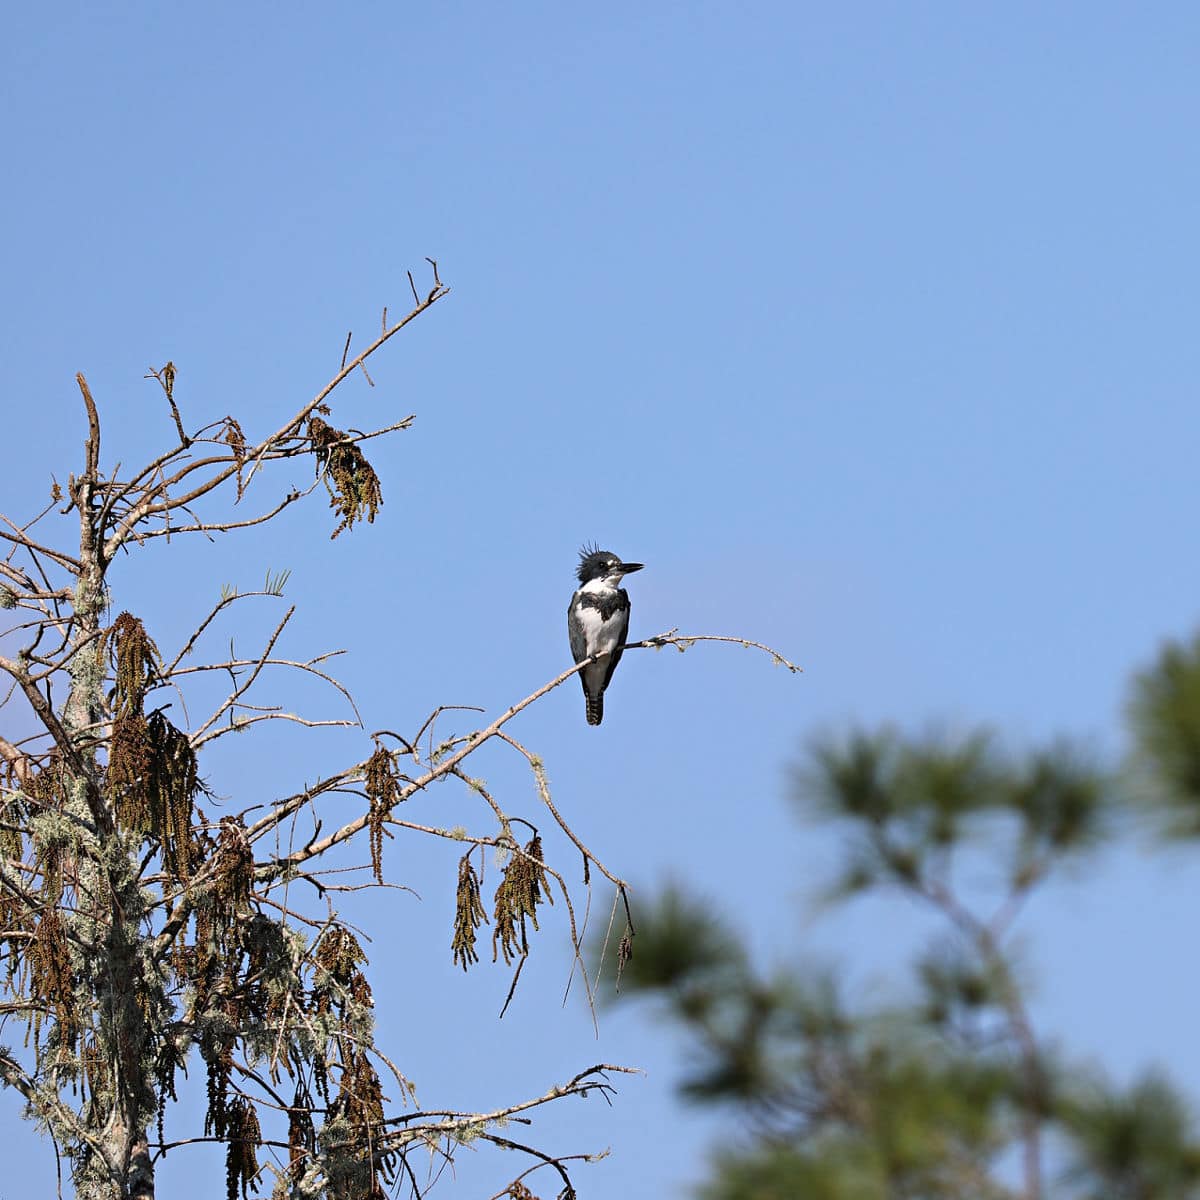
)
(589, 555)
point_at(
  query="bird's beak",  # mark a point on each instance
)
(629, 568)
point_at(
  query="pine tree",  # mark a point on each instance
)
(955, 1093)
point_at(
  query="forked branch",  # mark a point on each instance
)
(148, 502)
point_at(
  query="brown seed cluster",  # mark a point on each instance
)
(354, 489)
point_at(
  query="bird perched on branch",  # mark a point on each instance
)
(598, 621)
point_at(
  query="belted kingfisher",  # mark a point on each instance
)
(598, 620)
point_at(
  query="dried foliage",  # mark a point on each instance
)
(50, 976)
(469, 914)
(171, 787)
(354, 489)
(365, 1167)
(301, 1134)
(152, 774)
(235, 439)
(383, 793)
(522, 888)
(241, 1154)
(340, 982)
(135, 661)
(518, 1191)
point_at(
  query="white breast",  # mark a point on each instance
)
(600, 636)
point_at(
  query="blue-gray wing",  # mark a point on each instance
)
(622, 611)
(576, 634)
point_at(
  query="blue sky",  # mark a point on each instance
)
(869, 328)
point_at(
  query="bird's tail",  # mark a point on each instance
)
(595, 707)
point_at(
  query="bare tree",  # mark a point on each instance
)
(137, 932)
